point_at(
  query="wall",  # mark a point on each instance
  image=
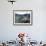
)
(37, 31)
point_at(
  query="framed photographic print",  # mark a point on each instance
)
(22, 17)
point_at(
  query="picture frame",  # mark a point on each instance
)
(22, 17)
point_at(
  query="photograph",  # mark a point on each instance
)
(22, 17)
